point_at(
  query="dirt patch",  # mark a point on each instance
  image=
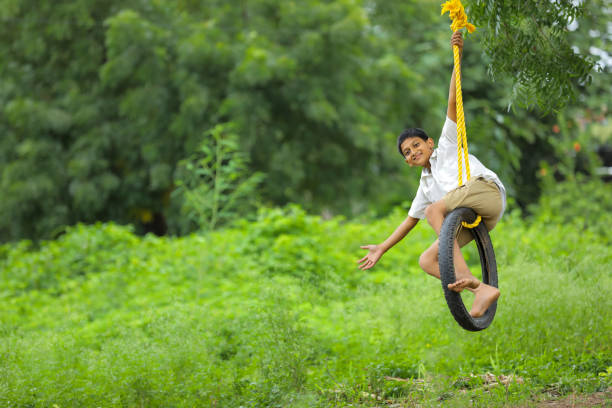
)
(598, 399)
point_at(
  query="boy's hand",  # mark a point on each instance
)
(371, 258)
(457, 39)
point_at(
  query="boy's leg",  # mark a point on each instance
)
(485, 294)
(429, 262)
(435, 214)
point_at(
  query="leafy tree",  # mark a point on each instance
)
(52, 153)
(528, 41)
(100, 139)
(101, 100)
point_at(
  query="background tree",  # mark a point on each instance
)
(102, 100)
(528, 42)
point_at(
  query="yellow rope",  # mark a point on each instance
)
(459, 21)
(461, 134)
(474, 224)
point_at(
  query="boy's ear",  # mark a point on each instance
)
(430, 143)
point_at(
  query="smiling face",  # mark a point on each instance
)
(417, 151)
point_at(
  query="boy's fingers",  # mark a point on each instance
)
(362, 259)
(365, 265)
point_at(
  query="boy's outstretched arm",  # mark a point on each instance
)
(376, 251)
(451, 112)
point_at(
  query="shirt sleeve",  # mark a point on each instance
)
(419, 204)
(449, 133)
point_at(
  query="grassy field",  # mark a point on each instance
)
(275, 313)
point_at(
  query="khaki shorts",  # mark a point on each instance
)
(481, 195)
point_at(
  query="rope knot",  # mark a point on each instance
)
(457, 15)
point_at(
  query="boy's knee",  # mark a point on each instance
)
(427, 261)
(435, 209)
(423, 262)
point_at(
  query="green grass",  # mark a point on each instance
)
(275, 313)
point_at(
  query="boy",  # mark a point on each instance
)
(438, 194)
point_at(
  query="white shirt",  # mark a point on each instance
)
(442, 177)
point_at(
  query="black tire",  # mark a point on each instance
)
(450, 229)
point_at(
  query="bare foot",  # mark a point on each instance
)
(485, 296)
(467, 283)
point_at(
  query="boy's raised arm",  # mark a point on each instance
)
(376, 251)
(451, 112)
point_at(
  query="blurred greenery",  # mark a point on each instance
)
(275, 313)
(101, 100)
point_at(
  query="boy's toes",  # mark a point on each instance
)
(461, 284)
(458, 286)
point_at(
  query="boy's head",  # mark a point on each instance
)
(415, 146)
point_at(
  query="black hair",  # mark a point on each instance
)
(410, 132)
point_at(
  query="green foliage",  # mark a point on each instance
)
(527, 41)
(71, 257)
(274, 312)
(101, 138)
(101, 100)
(214, 182)
(580, 202)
